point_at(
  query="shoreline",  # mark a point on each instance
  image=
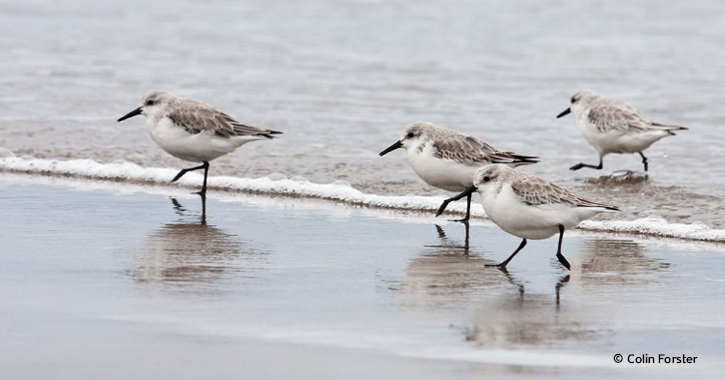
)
(276, 186)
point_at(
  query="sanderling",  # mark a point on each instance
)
(447, 159)
(527, 206)
(613, 126)
(192, 130)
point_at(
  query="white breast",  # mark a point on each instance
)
(442, 173)
(204, 146)
(534, 222)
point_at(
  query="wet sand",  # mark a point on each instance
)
(103, 280)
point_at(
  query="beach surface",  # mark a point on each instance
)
(106, 280)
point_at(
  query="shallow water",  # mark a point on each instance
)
(342, 78)
(102, 280)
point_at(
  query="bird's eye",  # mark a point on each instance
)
(410, 135)
(486, 179)
(149, 102)
(573, 100)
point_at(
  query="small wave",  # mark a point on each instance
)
(657, 226)
(274, 184)
(340, 191)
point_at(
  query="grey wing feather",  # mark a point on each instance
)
(618, 116)
(623, 117)
(536, 191)
(471, 150)
(196, 118)
(585, 203)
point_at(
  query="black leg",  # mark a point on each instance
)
(583, 165)
(468, 207)
(505, 262)
(644, 161)
(184, 171)
(468, 211)
(559, 256)
(467, 193)
(204, 166)
(206, 173)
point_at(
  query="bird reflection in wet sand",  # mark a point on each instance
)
(180, 210)
(528, 320)
(448, 272)
(608, 265)
(619, 178)
(446, 245)
(522, 289)
(617, 261)
(452, 272)
(195, 255)
(508, 321)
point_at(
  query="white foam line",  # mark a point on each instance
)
(275, 184)
(278, 184)
(656, 226)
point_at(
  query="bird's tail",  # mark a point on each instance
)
(606, 208)
(268, 134)
(517, 159)
(669, 128)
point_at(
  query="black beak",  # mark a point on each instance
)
(469, 190)
(391, 148)
(566, 112)
(133, 113)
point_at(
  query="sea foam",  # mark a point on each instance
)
(278, 184)
(274, 184)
